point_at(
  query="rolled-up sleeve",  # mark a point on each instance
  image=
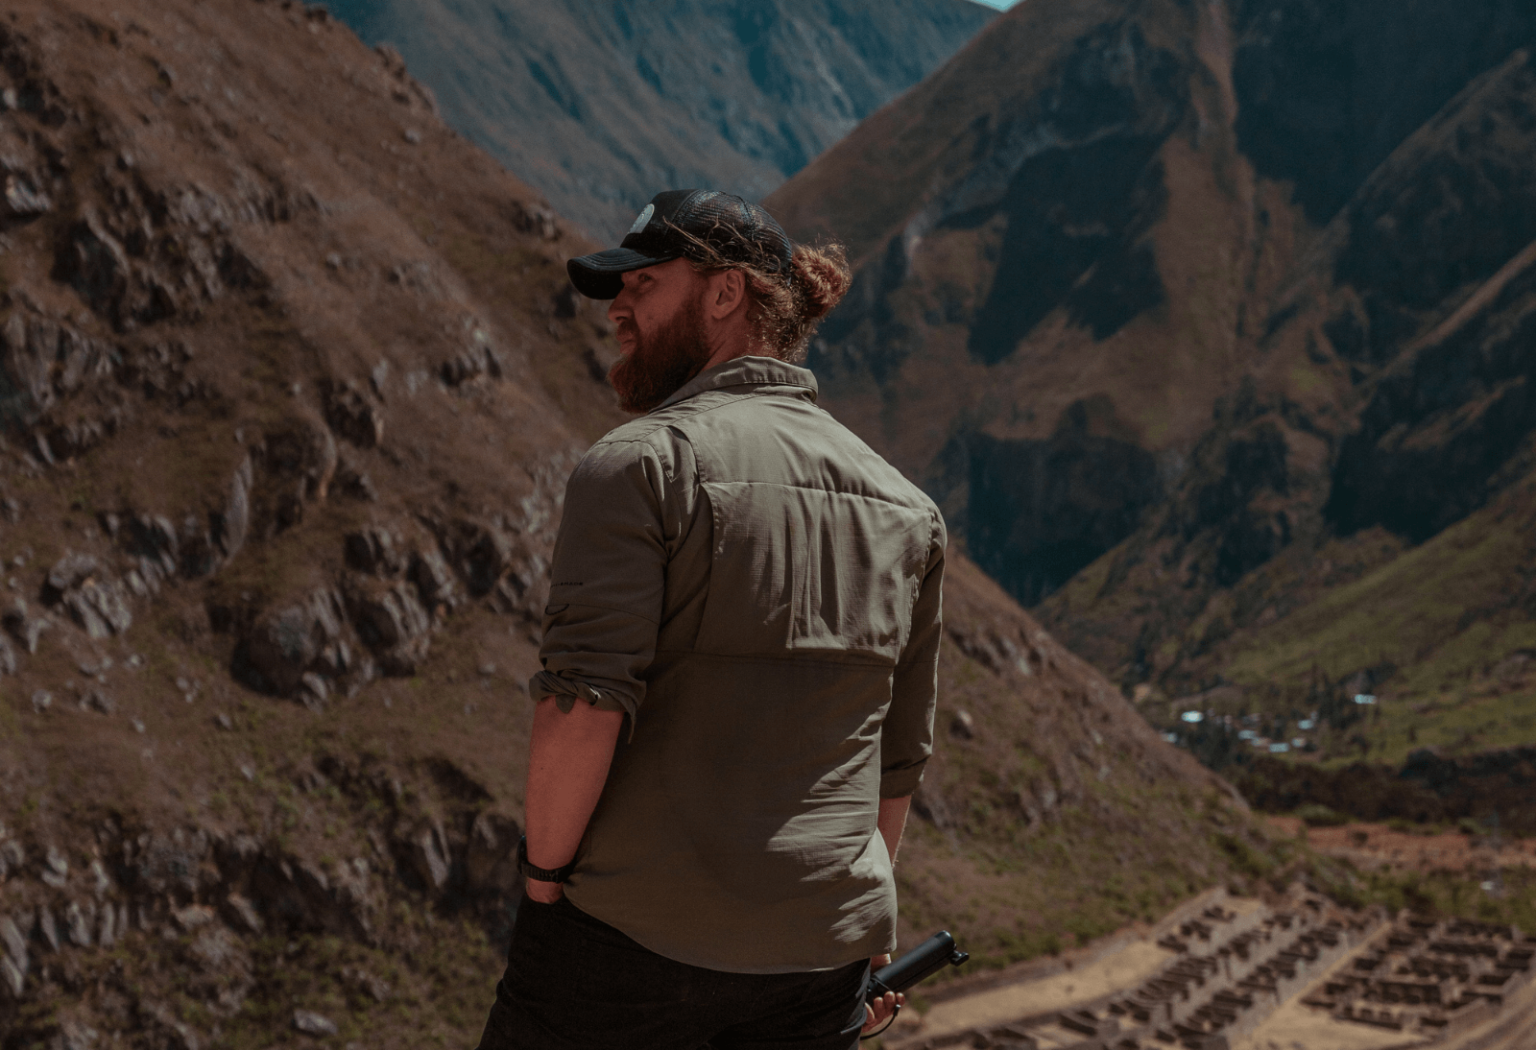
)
(906, 739)
(607, 581)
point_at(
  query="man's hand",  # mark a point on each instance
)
(883, 1008)
(544, 892)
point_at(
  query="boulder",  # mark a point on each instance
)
(69, 572)
(44, 361)
(14, 942)
(23, 199)
(313, 691)
(77, 924)
(12, 854)
(106, 933)
(154, 538)
(435, 581)
(55, 867)
(231, 526)
(353, 414)
(99, 701)
(482, 553)
(285, 642)
(96, 264)
(491, 861)
(392, 622)
(297, 893)
(100, 607)
(174, 863)
(473, 362)
(47, 928)
(28, 630)
(170, 1032)
(428, 853)
(311, 1023)
(377, 550)
(930, 805)
(240, 913)
(96, 601)
(303, 456)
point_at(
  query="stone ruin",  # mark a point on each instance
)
(1232, 970)
(1432, 978)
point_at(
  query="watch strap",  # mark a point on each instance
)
(530, 871)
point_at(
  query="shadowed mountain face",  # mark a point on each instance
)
(291, 380)
(1051, 276)
(602, 103)
(1191, 305)
(1328, 90)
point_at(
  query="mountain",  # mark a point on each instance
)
(1205, 324)
(292, 381)
(600, 104)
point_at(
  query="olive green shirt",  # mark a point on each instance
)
(760, 593)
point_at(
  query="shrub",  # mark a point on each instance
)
(1317, 815)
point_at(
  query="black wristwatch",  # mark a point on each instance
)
(540, 874)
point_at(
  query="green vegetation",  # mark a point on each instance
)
(1076, 877)
(1411, 613)
(1508, 897)
(1319, 816)
(1442, 635)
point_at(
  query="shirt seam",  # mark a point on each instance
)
(926, 511)
(795, 656)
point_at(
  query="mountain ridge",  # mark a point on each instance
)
(603, 103)
(1166, 379)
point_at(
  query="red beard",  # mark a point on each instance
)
(662, 362)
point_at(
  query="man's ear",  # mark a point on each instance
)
(727, 293)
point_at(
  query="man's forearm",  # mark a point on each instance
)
(568, 760)
(892, 819)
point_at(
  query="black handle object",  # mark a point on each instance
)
(925, 960)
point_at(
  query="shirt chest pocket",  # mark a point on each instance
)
(800, 569)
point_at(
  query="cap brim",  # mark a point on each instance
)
(601, 274)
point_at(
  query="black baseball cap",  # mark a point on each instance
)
(674, 225)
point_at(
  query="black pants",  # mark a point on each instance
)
(574, 983)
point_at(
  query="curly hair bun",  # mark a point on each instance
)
(822, 278)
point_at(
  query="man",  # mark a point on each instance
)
(740, 655)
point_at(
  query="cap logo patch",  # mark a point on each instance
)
(644, 219)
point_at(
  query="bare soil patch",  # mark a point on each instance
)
(1375, 846)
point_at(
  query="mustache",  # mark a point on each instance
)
(658, 362)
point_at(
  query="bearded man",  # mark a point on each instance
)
(740, 669)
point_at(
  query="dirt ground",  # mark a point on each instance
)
(1298, 1027)
(1370, 846)
(1091, 981)
(1121, 970)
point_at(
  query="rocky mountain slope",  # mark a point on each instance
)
(600, 104)
(1205, 322)
(292, 382)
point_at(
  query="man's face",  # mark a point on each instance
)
(660, 322)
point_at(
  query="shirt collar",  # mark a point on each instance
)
(746, 371)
